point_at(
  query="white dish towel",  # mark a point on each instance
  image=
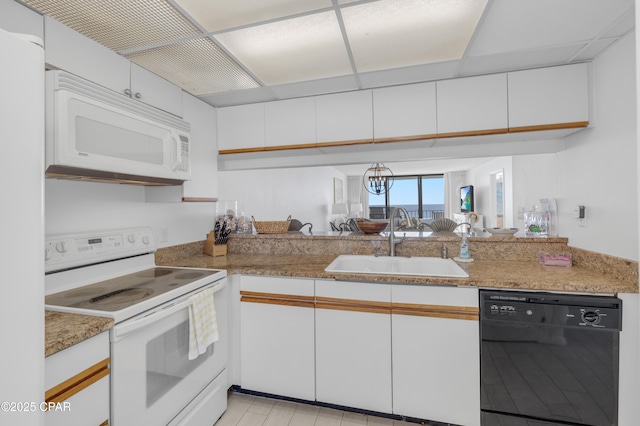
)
(203, 323)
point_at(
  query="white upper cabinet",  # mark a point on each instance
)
(290, 122)
(473, 104)
(404, 111)
(16, 18)
(548, 96)
(204, 149)
(241, 127)
(344, 117)
(69, 50)
(153, 90)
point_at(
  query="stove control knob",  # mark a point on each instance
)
(61, 247)
(146, 240)
(132, 238)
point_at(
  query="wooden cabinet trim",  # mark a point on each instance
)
(80, 381)
(473, 133)
(406, 138)
(277, 299)
(436, 311)
(555, 126)
(198, 200)
(353, 305)
(105, 423)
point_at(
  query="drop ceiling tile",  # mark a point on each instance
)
(198, 66)
(119, 24)
(216, 15)
(299, 49)
(392, 34)
(528, 24)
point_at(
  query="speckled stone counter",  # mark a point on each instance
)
(62, 330)
(505, 274)
(500, 262)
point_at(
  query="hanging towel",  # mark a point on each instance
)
(203, 323)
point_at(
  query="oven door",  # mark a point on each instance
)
(152, 379)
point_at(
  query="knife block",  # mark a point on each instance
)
(213, 249)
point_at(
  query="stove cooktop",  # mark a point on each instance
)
(125, 291)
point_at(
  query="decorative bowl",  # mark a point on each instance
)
(443, 225)
(372, 227)
(502, 232)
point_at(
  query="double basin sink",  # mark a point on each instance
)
(397, 265)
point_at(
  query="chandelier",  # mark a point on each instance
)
(377, 179)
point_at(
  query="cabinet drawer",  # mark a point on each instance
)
(277, 286)
(90, 407)
(65, 364)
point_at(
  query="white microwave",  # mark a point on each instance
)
(93, 133)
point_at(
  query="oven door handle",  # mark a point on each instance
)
(121, 330)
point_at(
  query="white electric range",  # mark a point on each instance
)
(113, 274)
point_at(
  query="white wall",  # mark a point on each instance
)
(273, 194)
(479, 177)
(72, 206)
(599, 167)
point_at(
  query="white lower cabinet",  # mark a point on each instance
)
(436, 353)
(77, 384)
(353, 345)
(277, 351)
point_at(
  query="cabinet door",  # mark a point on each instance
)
(154, 90)
(473, 104)
(204, 148)
(241, 127)
(71, 370)
(276, 336)
(69, 50)
(405, 111)
(344, 117)
(353, 345)
(436, 359)
(290, 122)
(548, 96)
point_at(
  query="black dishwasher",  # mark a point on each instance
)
(549, 359)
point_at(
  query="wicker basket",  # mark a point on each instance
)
(273, 227)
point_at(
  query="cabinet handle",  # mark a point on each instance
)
(127, 92)
(138, 95)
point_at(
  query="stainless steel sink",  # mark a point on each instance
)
(397, 265)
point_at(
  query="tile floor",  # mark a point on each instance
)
(249, 410)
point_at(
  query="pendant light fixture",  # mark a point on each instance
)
(378, 179)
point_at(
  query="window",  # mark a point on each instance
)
(421, 195)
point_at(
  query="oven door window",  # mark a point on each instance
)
(167, 361)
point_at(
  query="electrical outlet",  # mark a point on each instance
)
(520, 212)
(164, 235)
(582, 222)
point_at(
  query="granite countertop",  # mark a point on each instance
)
(505, 274)
(62, 330)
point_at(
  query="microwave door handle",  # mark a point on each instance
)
(119, 331)
(178, 160)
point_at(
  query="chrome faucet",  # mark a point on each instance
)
(392, 236)
(468, 226)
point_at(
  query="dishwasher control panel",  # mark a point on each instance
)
(551, 309)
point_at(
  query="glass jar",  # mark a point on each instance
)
(537, 222)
